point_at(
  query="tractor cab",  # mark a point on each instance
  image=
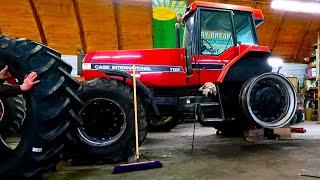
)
(213, 28)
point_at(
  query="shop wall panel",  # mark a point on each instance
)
(99, 24)
(135, 24)
(60, 24)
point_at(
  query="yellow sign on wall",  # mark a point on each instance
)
(167, 9)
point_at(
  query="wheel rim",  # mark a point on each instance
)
(104, 122)
(10, 133)
(270, 100)
(1, 111)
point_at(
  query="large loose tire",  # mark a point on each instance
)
(107, 134)
(163, 124)
(13, 113)
(50, 106)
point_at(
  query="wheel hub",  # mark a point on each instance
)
(268, 100)
(104, 122)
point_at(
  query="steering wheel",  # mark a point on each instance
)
(204, 47)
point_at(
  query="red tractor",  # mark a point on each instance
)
(220, 51)
(221, 75)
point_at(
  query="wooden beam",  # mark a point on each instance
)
(80, 25)
(275, 34)
(255, 4)
(38, 22)
(116, 19)
(151, 20)
(299, 46)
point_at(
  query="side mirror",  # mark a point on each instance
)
(177, 28)
(189, 68)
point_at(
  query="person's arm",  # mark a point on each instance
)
(14, 90)
(10, 90)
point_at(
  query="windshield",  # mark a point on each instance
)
(244, 28)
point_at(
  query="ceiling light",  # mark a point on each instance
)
(296, 6)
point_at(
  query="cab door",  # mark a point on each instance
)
(216, 43)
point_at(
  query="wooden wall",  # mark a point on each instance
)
(69, 25)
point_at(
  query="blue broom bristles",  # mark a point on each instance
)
(136, 166)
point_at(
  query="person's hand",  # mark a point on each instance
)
(29, 81)
(4, 73)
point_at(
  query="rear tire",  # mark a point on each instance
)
(269, 100)
(107, 143)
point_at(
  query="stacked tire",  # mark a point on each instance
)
(50, 108)
(12, 114)
(59, 109)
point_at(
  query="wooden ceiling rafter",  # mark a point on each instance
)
(277, 30)
(38, 22)
(80, 25)
(115, 4)
(255, 4)
(299, 47)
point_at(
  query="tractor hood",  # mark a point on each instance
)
(155, 60)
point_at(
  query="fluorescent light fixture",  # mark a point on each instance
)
(275, 62)
(296, 6)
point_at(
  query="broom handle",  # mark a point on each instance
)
(135, 112)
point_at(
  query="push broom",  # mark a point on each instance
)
(136, 166)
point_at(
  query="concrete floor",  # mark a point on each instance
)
(215, 157)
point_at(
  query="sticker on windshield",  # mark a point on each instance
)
(215, 42)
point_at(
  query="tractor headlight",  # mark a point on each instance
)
(275, 62)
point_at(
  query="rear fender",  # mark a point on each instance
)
(252, 64)
(143, 92)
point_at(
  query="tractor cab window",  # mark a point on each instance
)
(216, 32)
(244, 28)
